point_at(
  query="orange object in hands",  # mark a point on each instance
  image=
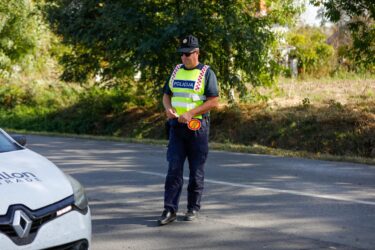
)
(194, 124)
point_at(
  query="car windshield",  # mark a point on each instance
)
(7, 145)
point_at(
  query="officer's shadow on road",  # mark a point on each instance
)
(109, 224)
(105, 218)
(106, 225)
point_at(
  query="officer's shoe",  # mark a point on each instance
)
(166, 217)
(191, 215)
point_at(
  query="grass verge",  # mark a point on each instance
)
(254, 149)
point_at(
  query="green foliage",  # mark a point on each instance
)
(115, 39)
(358, 16)
(314, 55)
(12, 95)
(65, 108)
(27, 46)
(364, 44)
(18, 33)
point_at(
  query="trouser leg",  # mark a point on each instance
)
(197, 155)
(176, 156)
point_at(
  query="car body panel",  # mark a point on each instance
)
(69, 227)
(34, 188)
(30, 179)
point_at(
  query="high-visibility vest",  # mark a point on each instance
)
(187, 87)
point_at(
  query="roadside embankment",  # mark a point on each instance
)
(328, 128)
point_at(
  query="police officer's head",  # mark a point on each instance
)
(189, 51)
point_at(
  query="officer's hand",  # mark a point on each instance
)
(185, 117)
(171, 113)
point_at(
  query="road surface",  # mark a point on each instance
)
(250, 201)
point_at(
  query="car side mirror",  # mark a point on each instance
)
(20, 139)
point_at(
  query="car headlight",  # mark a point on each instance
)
(80, 199)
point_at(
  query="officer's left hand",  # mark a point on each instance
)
(185, 117)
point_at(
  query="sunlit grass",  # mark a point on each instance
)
(319, 92)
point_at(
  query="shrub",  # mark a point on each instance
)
(314, 55)
(12, 95)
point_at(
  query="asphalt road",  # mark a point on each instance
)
(250, 201)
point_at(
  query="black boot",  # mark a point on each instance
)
(167, 217)
(191, 215)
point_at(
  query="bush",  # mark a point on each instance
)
(12, 95)
(315, 56)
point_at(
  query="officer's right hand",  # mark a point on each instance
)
(171, 113)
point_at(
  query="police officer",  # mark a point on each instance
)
(189, 94)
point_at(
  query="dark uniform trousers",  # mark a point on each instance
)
(193, 145)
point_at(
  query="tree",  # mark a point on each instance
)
(118, 38)
(358, 16)
(18, 33)
(314, 55)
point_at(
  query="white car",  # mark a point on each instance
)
(40, 206)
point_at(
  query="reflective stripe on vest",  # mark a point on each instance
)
(187, 87)
(195, 97)
(184, 105)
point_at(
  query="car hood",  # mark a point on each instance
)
(30, 179)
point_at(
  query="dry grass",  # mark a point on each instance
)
(320, 92)
(319, 116)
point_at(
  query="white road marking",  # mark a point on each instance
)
(293, 192)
